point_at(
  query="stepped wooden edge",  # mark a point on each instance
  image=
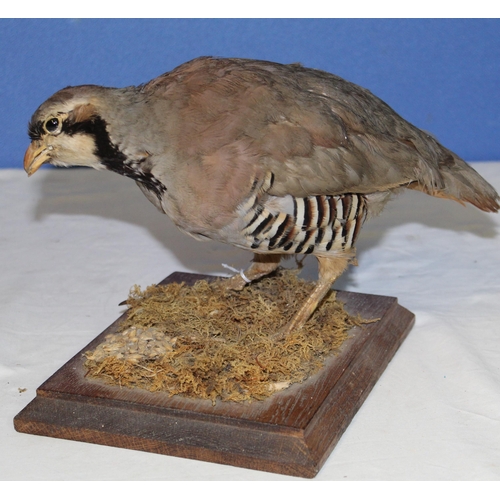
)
(292, 432)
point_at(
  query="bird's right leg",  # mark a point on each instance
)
(330, 268)
(261, 265)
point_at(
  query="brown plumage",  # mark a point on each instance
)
(278, 159)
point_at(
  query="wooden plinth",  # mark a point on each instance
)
(292, 432)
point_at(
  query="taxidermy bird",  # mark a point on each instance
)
(277, 159)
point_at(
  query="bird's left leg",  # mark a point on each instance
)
(261, 265)
(330, 268)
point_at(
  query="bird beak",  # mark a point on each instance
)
(36, 155)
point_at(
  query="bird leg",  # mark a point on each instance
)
(261, 265)
(330, 268)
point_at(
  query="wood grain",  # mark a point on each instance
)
(292, 432)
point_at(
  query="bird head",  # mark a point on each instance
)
(70, 129)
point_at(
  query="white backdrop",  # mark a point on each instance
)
(73, 242)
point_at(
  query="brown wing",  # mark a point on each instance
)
(236, 120)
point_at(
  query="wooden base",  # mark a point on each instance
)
(292, 432)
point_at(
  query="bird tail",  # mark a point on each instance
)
(460, 182)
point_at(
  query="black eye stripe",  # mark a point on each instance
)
(35, 130)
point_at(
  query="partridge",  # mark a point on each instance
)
(277, 159)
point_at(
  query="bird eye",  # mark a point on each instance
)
(52, 124)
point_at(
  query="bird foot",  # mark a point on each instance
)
(282, 333)
(235, 283)
(261, 266)
(295, 324)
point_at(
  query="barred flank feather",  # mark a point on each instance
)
(318, 225)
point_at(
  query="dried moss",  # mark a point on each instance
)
(205, 342)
